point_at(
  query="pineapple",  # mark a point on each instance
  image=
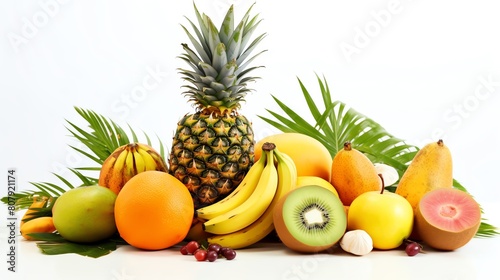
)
(213, 148)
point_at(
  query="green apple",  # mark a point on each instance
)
(85, 214)
(387, 217)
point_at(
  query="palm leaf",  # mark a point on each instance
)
(101, 137)
(337, 123)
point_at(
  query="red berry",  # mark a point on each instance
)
(413, 248)
(184, 250)
(214, 247)
(212, 256)
(200, 255)
(229, 254)
(192, 246)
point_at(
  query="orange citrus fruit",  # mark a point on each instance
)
(153, 211)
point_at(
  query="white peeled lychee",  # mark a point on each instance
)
(357, 242)
(389, 173)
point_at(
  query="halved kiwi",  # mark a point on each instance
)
(310, 219)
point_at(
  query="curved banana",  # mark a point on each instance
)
(237, 196)
(252, 208)
(159, 162)
(287, 181)
(138, 161)
(113, 177)
(127, 161)
(128, 171)
(152, 160)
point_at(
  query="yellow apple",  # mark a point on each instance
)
(387, 217)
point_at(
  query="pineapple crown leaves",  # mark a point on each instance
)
(220, 60)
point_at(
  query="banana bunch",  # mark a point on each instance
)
(127, 161)
(246, 215)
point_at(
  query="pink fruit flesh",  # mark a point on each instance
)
(450, 211)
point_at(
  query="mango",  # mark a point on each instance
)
(431, 168)
(353, 174)
(37, 225)
(85, 214)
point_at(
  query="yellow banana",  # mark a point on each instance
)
(127, 161)
(137, 162)
(237, 196)
(113, 178)
(250, 210)
(287, 181)
(159, 162)
(148, 162)
(129, 169)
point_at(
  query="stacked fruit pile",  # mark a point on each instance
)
(153, 210)
(222, 188)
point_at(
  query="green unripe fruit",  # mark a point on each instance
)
(85, 214)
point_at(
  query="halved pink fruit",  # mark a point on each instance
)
(447, 218)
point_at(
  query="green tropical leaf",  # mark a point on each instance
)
(337, 123)
(101, 136)
(104, 136)
(54, 244)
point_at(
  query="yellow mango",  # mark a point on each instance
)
(431, 168)
(37, 225)
(38, 202)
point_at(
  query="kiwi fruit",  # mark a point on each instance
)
(447, 218)
(310, 219)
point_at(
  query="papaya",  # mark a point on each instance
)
(431, 168)
(353, 174)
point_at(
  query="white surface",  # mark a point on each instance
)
(476, 260)
(423, 69)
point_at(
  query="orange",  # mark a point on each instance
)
(311, 157)
(153, 211)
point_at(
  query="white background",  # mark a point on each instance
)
(422, 69)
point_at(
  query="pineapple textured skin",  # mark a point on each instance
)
(211, 155)
(213, 148)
